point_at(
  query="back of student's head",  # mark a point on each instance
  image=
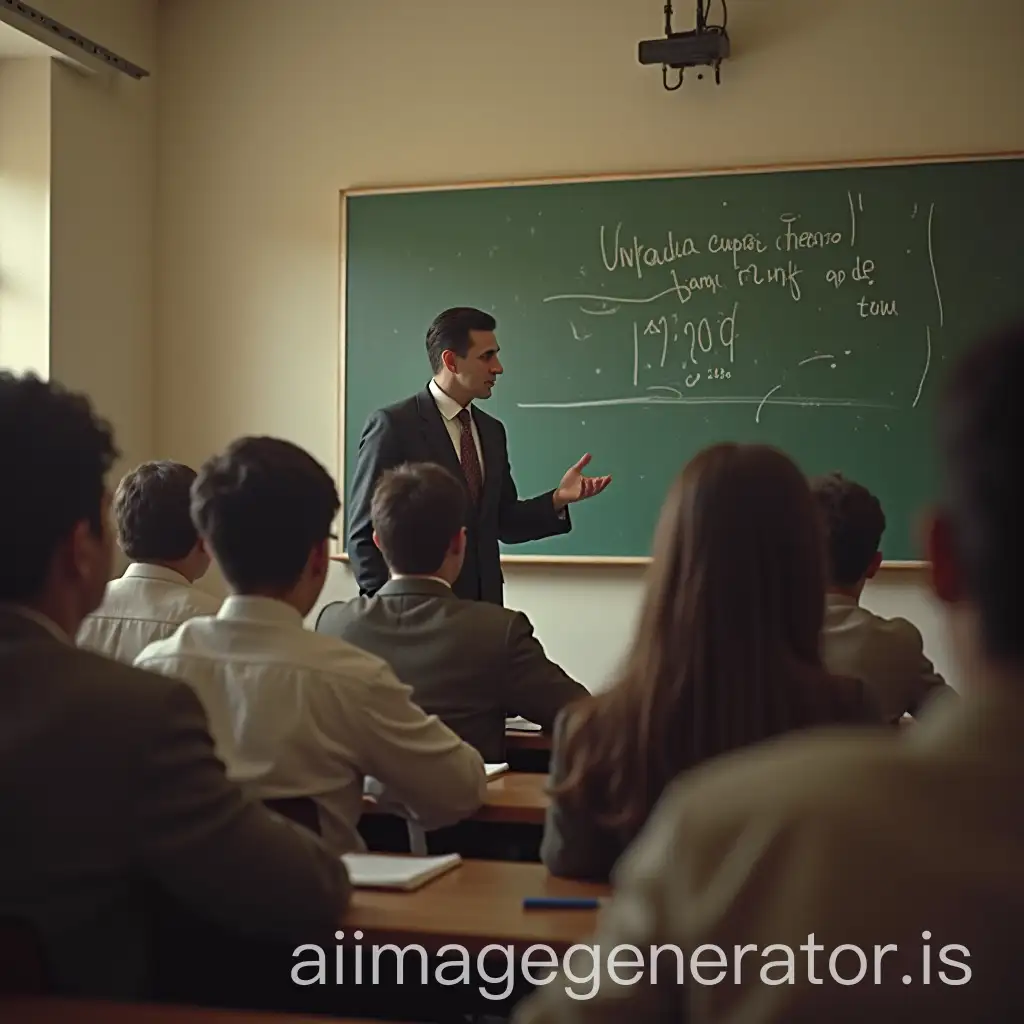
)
(418, 510)
(853, 522)
(55, 454)
(726, 652)
(152, 510)
(265, 507)
(981, 430)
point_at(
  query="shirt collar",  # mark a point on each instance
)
(39, 619)
(249, 608)
(446, 405)
(436, 579)
(148, 571)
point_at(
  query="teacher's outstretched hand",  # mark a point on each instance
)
(576, 487)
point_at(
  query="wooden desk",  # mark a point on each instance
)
(82, 1011)
(518, 740)
(515, 798)
(479, 902)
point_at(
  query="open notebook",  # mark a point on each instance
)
(385, 871)
(376, 790)
(518, 724)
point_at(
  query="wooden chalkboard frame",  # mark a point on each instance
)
(700, 172)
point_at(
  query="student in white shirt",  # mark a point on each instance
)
(296, 713)
(886, 654)
(155, 594)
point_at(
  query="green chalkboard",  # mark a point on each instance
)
(642, 319)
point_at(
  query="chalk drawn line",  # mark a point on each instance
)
(611, 298)
(757, 418)
(927, 364)
(590, 403)
(931, 259)
(810, 359)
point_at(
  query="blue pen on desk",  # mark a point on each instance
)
(561, 903)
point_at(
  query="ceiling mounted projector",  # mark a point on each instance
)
(705, 46)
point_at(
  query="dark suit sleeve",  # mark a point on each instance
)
(224, 857)
(379, 449)
(534, 687)
(573, 846)
(528, 519)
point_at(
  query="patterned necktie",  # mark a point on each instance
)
(468, 457)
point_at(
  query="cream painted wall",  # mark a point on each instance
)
(268, 109)
(77, 210)
(25, 215)
(103, 220)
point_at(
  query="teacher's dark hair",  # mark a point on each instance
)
(450, 331)
(726, 652)
(981, 431)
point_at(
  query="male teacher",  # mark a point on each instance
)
(441, 424)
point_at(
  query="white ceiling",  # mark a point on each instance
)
(16, 44)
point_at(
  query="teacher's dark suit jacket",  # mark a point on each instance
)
(414, 431)
(468, 662)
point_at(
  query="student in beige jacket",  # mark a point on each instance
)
(886, 654)
(841, 877)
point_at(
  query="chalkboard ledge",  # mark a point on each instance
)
(613, 561)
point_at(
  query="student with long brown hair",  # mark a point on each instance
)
(726, 654)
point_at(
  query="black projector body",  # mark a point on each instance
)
(686, 49)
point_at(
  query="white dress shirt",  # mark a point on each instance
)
(147, 603)
(450, 410)
(296, 713)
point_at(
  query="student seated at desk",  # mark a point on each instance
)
(898, 860)
(155, 595)
(297, 713)
(887, 654)
(471, 663)
(111, 789)
(726, 654)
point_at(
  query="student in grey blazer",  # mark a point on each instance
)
(887, 654)
(471, 663)
(111, 789)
